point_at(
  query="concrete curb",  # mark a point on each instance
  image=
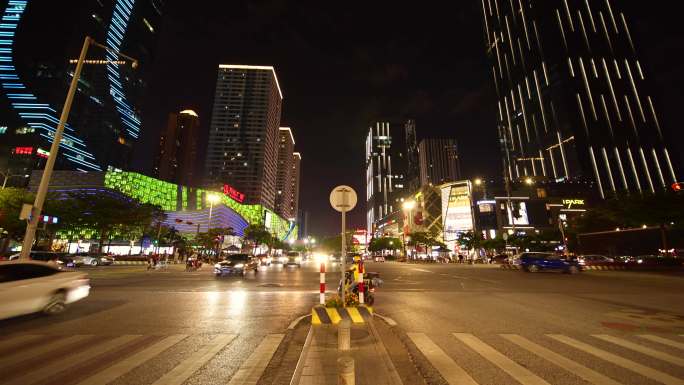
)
(130, 263)
(333, 315)
(604, 267)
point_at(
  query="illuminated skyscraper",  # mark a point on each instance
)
(294, 184)
(243, 135)
(574, 100)
(438, 158)
(36, 65)
(176, 160)
(284, 191)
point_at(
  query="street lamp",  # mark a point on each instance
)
(212, 199)
(7, 175)
(32, 224)
(477, 181)
(529, 181)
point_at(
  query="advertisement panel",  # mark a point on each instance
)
(360, 238)
(457, 214)
(522, 218)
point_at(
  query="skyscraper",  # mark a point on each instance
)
(294, 184)
(176, 160)
(243, 135)
(574, 100)
(438, 158)
(386, 170)
(284, 179)
(412, 162)
(37, 66)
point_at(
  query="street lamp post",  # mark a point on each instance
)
(32, 225)
(211, 198)
(7, 175)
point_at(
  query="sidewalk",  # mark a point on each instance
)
(373, 365)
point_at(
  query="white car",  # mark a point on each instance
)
(31, 286)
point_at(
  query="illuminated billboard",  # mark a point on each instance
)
(457, 214)
(522, 218)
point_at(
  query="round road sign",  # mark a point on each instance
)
(343, 198)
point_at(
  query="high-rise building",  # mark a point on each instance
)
(243, 134)
(37, 66)
(284, 191)
(412, 161)
(386, 170)
(574, 99)
(438, 158)
(294, 183)
(176, 160)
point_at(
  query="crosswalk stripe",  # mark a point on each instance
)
(619, 361)
(11, 360)
(585, 373)
(129, 363)
(509, 366)
(190, 365)
(449, 370)
(641, 349)
(662, 340)
(251, 370)
(43, 372)
(13, 341)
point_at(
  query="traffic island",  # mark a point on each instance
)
(333, 315)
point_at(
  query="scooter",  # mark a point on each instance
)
(371, 281)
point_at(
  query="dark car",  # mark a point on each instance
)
(500, 258)
(236, 264)
(593, 259)
(534, 262)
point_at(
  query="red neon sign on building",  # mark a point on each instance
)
(233, 193)
(23, 150)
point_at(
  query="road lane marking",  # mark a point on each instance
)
(11, 360)
(251, 370)
(12, 341)
(190, 365)
(131, 362)
(389, 321)
(619, 361)
(447, 367)
(509, 366)
(423, 270)
(573, 367)
(294, 323)
(42, 372)
(662, 340)
(641, 349)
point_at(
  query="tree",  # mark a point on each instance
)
(495, 244)
(11, 201)
(384, 243)
(334, 243)
(258, 235)
(470, 240)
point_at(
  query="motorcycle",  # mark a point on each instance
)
(371, 281)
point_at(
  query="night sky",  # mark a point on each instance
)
(342, 66)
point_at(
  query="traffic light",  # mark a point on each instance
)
(678, 186)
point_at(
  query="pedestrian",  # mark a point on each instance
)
(460, 258)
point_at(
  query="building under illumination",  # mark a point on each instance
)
(438, 160)
(244, 132)
(574, 99)
(387, 169)
(285, 175)
(41, 41)
(176, 159)
(294, 186)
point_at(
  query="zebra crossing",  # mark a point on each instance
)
(100, 360)
(625, 359)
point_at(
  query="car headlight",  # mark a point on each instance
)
(298, 259)
(217, 266)
(239, 265)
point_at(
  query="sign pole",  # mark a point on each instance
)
(344, 260)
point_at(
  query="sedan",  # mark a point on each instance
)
(92, 259)
(31, 286)
(237, 264)
(292, 258)
(534, 262)
(594, 260)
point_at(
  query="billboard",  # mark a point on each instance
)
(457, 214)
(522, 218)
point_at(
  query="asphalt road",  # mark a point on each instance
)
(491, 326)
(460, 323)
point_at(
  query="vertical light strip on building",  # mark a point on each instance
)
(484, 14)
(629, 35)
(567, 11)
(655, 117)
(612, 16)
(562, 151)
(622, 171)
(39, 116)
(634, 171)
(553, 163)
(596, 171)
(634, 91)
(524, 20)
(541, 101)
(584, 30)
(608, 169)
(591, 16)
(605, 112)
(560, 26)
(669, 166)
(584, 118)
(657, 163)
(648, 173)
(612, 91)
(115, 35)
(605, 31)
(588, 89)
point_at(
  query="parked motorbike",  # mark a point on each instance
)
(371, 281)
